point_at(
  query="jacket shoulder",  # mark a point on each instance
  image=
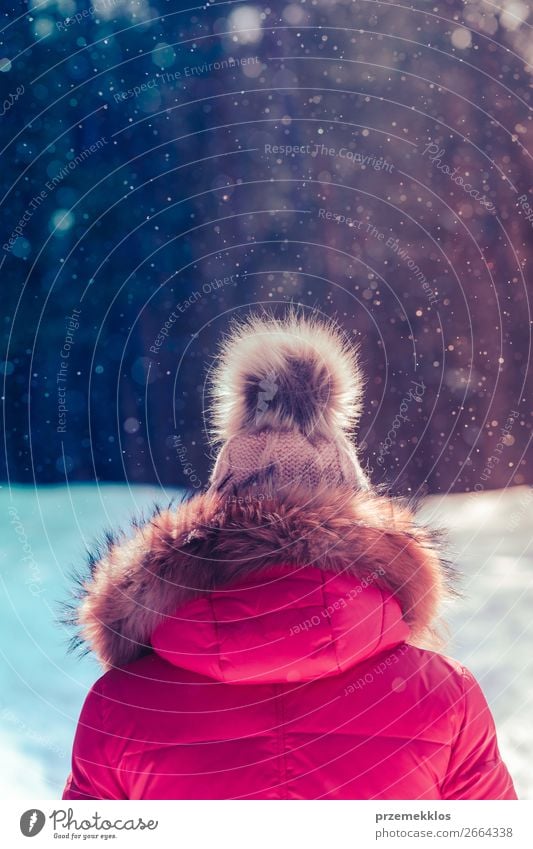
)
(441, 678)
(438, 663)
(137, 684)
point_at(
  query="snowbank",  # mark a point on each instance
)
(491, 626)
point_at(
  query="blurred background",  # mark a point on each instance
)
(167, 167)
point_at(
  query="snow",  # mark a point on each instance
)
(491, 627)
(43, 687)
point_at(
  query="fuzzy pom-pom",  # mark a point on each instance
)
(284, 373)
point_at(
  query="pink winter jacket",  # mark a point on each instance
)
(233, 675)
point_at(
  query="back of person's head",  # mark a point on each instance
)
(286, 397)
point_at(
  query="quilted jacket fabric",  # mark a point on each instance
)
(294, 683)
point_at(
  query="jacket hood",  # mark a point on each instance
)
(192, 558)
(288, 625)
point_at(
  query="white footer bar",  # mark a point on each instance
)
(268, 824)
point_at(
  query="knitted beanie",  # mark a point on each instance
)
(285, 399)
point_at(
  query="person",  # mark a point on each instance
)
(273, 637)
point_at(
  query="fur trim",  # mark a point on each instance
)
(209, 542)
(283, 374)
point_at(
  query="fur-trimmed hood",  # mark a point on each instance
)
(211, 541)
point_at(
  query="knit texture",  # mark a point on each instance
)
(285, 459)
